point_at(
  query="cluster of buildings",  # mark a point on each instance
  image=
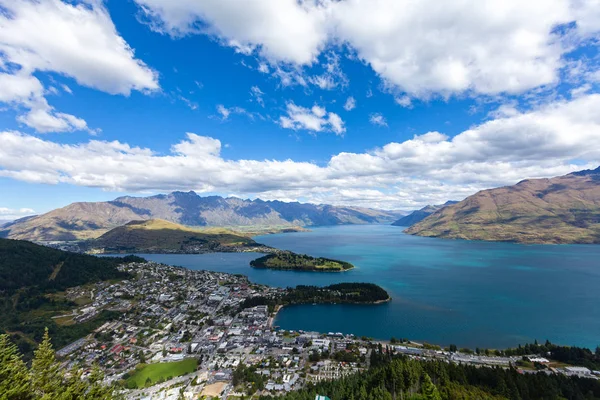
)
(170, 315)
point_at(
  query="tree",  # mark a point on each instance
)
(14, 376)
(46, 377)
(429, 390)
(453, 348)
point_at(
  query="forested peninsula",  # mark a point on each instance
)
(340, 293)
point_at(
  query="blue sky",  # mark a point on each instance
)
(102, 99)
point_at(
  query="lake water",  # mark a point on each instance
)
(444, 291)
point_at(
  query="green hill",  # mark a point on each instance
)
(31, 278)
(25, 265)
(157, 235)
(564, 209)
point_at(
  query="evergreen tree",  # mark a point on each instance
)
(46, 377)
(429, 390)
(14, 376)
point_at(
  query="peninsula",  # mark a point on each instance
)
(285, 260)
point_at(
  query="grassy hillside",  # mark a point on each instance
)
(163, 236)
(300, 262)
(565, 209)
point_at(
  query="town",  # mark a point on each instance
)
(190, 334)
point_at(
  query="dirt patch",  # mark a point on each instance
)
(214, 390)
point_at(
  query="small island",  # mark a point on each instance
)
(300, 262)
(343, 293)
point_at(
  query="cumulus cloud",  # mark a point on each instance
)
(550, 140)
(421, 48)
(282, 30)
(315, 119)
(76, 40)
(377, 119)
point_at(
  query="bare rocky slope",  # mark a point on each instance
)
(90, 220)
(564, 209)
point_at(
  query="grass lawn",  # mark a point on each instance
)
(160, 371)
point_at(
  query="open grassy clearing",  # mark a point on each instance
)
(149, 374)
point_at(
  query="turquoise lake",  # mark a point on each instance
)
(444, 291)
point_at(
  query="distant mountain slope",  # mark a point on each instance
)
(564, 209)
(160, 235)
(420, 215)
(90, 220)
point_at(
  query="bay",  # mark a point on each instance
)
(468, 293)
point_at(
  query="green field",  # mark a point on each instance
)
(158, 372)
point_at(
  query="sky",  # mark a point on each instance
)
(391, 104)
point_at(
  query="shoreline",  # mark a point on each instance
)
(279, 307)
(304, 270)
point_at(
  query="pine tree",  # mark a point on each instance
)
(14, 376)
(429, 390)
(46, 377)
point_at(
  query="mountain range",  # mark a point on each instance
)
(89, 220)
(420, 215)
(564, 209)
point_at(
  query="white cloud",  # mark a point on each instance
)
(12, 214)
(22, 89)
(422, 48)
(257, 95)
(263, 67)
(282, 30)
(45, 119)
(78, 41)
(226, 112)
(66, 89)
(332, 76)
(404, 101)
(350, 104)
(551, 140)
(316, 119)
(377, 119)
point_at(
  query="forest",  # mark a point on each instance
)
(347, 293)
(45, 378)
(394, 376)
(29, 276)
(300, 262)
